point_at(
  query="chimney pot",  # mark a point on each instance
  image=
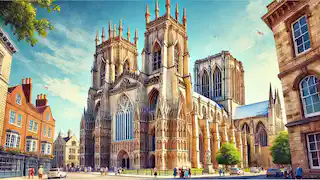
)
(27, 80)
(30, 80)
(38, 96)
(23, 81)
(44, 96)
(41, 96)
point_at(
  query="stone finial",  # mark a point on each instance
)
(168, 7)
(157, 9)
(115, 31)
(136, 37)
(120, 28)
(184, 18)
(128, 34)
(110, 30)
(177, 12)
(103, 35)
(97, 38)
(147, 14)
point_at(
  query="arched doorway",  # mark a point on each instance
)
(152, 161)
(123, 159)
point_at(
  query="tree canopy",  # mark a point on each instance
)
(20, 15)
(280, 149)
(228, 155)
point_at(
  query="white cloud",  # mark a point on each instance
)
(65, 89)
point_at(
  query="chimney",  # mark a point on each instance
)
(41, 100)
(27, 89)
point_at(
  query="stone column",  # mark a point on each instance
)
(113, 72)
(239, 145)
(195, 141)
(252, 147)
(244, 147)
(120, 69)
(207, 149)
(215, 144)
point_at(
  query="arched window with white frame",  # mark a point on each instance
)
(310, 95)
(205, 84)
(217, 83)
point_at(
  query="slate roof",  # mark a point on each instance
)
(66, 139)
(251, 110)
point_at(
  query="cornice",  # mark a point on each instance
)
(7, 42)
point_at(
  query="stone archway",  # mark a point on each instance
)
(123, 159)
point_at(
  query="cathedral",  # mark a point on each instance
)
(156, 117)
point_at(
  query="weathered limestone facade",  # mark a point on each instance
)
(299, 64)
(152, 117)
(7, 49)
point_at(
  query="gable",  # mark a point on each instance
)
(13, 91)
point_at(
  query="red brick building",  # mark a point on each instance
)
(27, 127)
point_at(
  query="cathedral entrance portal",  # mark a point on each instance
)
(123, 159)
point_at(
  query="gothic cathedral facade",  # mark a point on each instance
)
(156, 117)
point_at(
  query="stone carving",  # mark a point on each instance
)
(208, 157)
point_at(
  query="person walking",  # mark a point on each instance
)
(40, 172)
(189, 172)
(186, 173)
(174, 172)
(155, 172)
(299, 172)
(106, 171)
(31, 172)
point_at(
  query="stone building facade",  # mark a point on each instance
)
(7, 49)
(153, 117)
(296, 28)
(66, 151)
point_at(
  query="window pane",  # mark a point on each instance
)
(315, 98)
(318, 139)
(304, 29)
(311, 138)
(312, 146)
(297, 33)
(299, 41)
(314, 155)
(303, 21)
(306, 37)
(296, 26)
(307, 45)
(317, 108)
(308, 100)
(313, 89)
(309, 109)
(315, 162)
(300, 49)
(305, 92)
(311, 81)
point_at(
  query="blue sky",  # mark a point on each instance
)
(62, 61)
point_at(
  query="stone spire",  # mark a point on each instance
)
(157, 9)
(110, 30)
(147, 14)
(103, 35)
(120, 29)
(184, 18)
(115, 31)
(97, 38)
(136, 37)
(168, 7)
(270, 95)
(128, 34)
(177, 12)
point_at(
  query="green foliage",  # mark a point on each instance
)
(21, 16)
(280, 149)
(228, 155)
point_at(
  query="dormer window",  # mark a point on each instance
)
(301, 35)
(156, 59)
(18, 99)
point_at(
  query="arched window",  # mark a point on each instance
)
(217, 83)
(204, 113)
(153, 99)
(310, 95)
(102, 73)
(124, 119)
(156, 61)
(176, 57)
(205, 84)
(262, 135)
(245, 128)
(115, 72)
(126, 66)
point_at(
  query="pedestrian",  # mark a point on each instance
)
(182, 173)
(31, 172)
(155, 172)
(186, 173)
(220, 172)
(106, 171)
(285, 172)
(101, 171)
(174, 172)
(40, 173)
(115, 170)
(299, 172)
(189, 172)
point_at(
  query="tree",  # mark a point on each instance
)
(280, 149)
(228, 155)
(20, 15)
